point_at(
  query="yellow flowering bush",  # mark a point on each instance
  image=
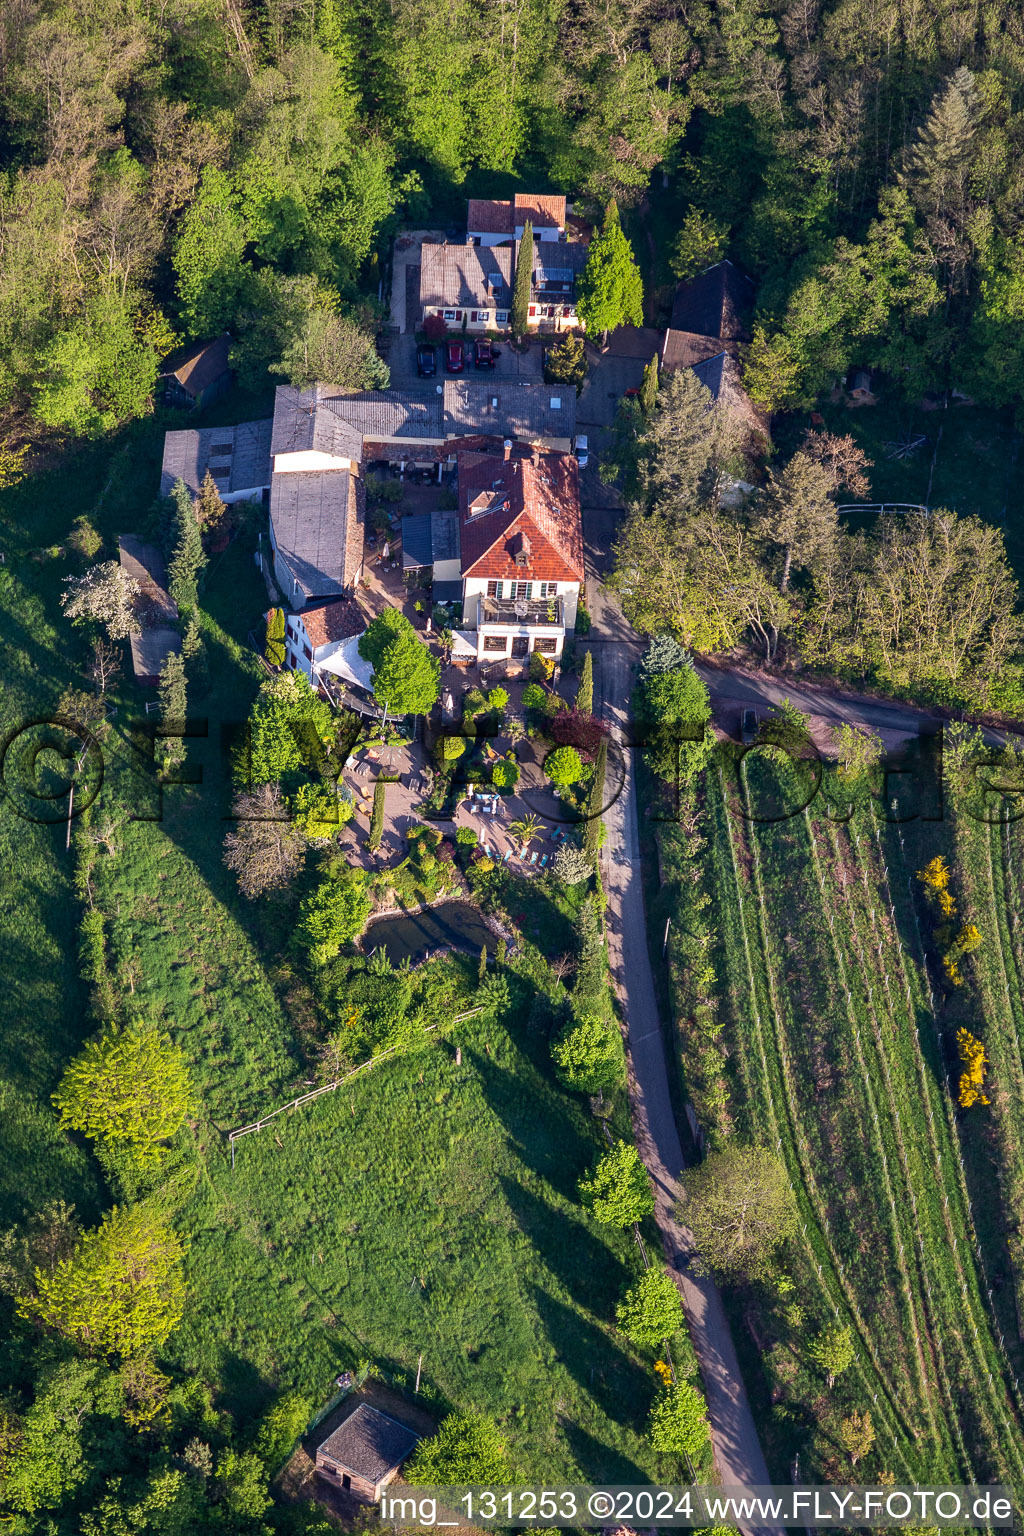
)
(972, 1078)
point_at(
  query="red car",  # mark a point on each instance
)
(483, 353)
(454, 357)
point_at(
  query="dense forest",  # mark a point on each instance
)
(170, 170)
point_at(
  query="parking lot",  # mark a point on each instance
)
(401, 356)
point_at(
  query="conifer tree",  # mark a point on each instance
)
(611, 290)
(592, 830)
(945, 137)
(187, 559)
(210, 510)
(585, 691)
(521, 292)
(649, 387)
(274, 650)
(173, 708)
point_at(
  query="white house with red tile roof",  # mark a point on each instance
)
(521, 541)
(318, 639)
(492, 221)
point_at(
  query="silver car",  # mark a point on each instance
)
(581, 448)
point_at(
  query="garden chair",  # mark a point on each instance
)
(508, 855)
(533, 858)
(544, 860)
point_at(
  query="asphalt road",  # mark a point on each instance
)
(737, 1449)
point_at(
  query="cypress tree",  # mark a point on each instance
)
(649, 387)
(274, 649)
(585, 691)
(521, 292)
(592, 830)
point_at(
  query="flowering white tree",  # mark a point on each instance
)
(104, 594)
(571, 865)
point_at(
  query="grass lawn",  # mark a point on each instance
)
(431, 1209)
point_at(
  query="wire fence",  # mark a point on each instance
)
(338, 1082)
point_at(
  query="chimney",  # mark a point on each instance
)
(507, 445)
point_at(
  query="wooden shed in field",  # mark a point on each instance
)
(365, 1452)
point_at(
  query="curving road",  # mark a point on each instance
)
(737, 1450)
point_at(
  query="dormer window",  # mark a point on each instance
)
(519, 548)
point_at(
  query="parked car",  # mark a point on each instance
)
(483, 353)
(454, 356)
(581, 448)
(426, 362)
(748, 726)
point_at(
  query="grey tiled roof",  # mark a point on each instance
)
(151, 648)
(716, 302)
(512, 409)
(416, 540)
(311, 512)
(463, 274)
(384, 413)
(237, 457)
(302, 423)
(369, 1443)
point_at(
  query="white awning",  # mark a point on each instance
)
(344, 660)
(464, 642)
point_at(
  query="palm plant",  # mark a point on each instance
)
(525, 829)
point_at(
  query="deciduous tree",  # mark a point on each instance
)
(651, 1310)
(333, 914)
(104, 594)
(832, 1349)
(406, 677)
(678, 1425)
(120, 1293)
(740, 1207)
(129, 1088)
(265, 850)
(618, 1191)
(588, 1055)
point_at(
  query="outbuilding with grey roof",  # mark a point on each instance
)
(365, 1452)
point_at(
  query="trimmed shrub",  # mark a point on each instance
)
(563, 767)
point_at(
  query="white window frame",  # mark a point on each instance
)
(521, 589)
(548, 589)
(497, 585)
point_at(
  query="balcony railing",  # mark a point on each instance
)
(518, 610)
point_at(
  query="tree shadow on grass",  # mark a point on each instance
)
(600, 1463)
(596, 1363)
(590, 1270)
(549, 1135)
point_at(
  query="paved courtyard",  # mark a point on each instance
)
(400, 354)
